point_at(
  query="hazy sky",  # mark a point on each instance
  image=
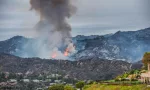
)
(93, 17)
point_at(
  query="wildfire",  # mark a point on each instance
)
(58, 54)
(66, 53)
(69, 49)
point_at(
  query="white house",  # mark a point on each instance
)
(57, 81)
(36, 81)
(26, 80)
(13, 80)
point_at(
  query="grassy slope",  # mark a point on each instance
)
(116, 87)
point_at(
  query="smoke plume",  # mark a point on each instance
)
(53, 28)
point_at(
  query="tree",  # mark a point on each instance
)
(68, 87)
(146, 59)
(80, 84)
(19, 78)
(56, 87)
(2, 77)
(31, 86)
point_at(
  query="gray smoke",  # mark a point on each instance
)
(53, 29)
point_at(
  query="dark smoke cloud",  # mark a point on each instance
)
(53, 27)
(54, 13)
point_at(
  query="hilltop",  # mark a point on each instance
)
(127, 46)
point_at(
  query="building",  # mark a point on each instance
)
(57, 81)
(9, 86)
(13, 80)
(36, 81)
(26, 80)
(145, 77)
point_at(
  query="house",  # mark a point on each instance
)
(13, 80)
(52, 84)
(57, 81)
(26, 80)
(145, 77)
(48, 80)
(39, 89)
(36, 81)
(8, 86)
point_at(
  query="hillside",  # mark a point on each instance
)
(117, 87)
(90, 69)
(128, 46)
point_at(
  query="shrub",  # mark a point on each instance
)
(56, 87)
(80, 85)
(68, 87)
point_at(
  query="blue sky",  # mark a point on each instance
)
(94, 17)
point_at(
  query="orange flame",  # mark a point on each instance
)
(66, 53)
(69, 49)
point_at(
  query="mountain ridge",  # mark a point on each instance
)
(128, 46)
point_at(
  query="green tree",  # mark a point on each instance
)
(118, 78)
(131, 72)
(19, 78)
(80, 84)
(31, 86)
(146, 59)
(56, 87)
(12, 76)
(68, 87)
(3, 77)
(125, 75)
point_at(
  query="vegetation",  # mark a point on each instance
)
(60, 87)
(116, 87)
(126, 81)
(68, 87)
(56, 87)
(5, 77)
(133, 75)
(80, 85)
(146, 59)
